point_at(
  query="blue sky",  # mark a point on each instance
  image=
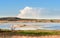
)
(12, 7)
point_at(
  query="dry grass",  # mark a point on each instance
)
(30, 34)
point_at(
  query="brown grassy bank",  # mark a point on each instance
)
(30, 34)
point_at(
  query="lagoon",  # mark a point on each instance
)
(31, 26)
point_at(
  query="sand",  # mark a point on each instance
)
(27, 36)
(50, 36)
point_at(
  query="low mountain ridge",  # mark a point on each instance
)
(10, 18)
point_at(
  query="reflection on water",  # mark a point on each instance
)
(32, 26)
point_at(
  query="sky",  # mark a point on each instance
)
(30, 8)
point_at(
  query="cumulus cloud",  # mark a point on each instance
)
(38, 13)
(29, 12)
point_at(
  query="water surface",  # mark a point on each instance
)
(31, 26)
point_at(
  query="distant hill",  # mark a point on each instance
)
(5, 19)
(10, 18)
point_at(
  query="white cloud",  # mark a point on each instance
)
(29, 12)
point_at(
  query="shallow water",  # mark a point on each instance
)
(31, 26)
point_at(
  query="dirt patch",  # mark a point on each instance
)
(50, 36)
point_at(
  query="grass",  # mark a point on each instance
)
(38, 32)
(31, 32)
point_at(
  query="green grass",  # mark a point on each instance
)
(38, 32)
(32, 32)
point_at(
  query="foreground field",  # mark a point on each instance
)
(29, 34)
